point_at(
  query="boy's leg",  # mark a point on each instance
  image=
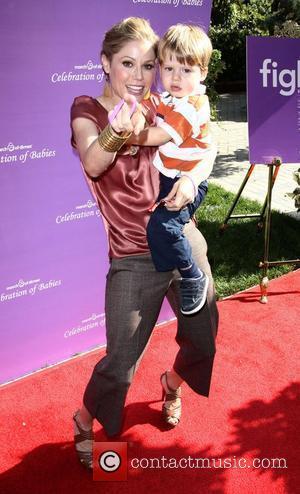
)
(134, 295)
(194, 283)
(202, 191)
(196, 334)
(168, 246)
(170, 249)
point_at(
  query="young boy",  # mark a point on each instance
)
(183, 137)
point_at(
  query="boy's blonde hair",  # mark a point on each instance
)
(189, 43)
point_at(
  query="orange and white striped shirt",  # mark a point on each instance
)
(186, 120)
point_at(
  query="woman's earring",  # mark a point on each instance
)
(107, 89)
(106, 75)
(147, 95)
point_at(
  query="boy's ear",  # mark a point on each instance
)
(203, 74)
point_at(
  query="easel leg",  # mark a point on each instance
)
(265, 281)
(262, 214)
(238, 195)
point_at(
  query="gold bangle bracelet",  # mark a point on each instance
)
(110, 141)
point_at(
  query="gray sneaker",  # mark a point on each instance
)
(193, 293)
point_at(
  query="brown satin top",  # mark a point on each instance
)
(126, 190)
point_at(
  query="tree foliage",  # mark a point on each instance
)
(286, 10)
(289, 29)
(233, 20)
(216, 67)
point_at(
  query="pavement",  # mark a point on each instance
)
(232, 163)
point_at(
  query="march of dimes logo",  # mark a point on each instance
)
(85, 72)
(80, 212)
(92, 322)
(23, 153)
(24, 288)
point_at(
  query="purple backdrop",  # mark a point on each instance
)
(53, 246)
(273, 87)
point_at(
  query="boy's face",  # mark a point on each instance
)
(180, 79)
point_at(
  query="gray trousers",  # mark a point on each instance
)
(134, 295)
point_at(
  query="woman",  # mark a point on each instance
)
(126, 185)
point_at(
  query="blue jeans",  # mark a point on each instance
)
(168, 246)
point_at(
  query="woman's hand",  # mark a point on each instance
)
(138, 120)
(182, 193)
(127, 120)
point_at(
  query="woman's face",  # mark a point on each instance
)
(131, 70)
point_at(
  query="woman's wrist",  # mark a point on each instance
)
(110, 141)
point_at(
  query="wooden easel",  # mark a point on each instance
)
(265, 212)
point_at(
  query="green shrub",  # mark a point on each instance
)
(289, 29)
(216, 68)
(285, 10)
(231, 23)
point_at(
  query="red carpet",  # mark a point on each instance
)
(253, 412)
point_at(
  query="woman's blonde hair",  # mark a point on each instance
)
(189, 43)
(130, 29)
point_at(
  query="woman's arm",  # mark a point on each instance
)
(152, 136)
(94, 159)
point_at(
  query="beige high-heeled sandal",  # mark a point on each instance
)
(85, 456)
(171, 408)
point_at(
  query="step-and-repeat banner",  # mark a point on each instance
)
(53, 246)
(273, 91)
